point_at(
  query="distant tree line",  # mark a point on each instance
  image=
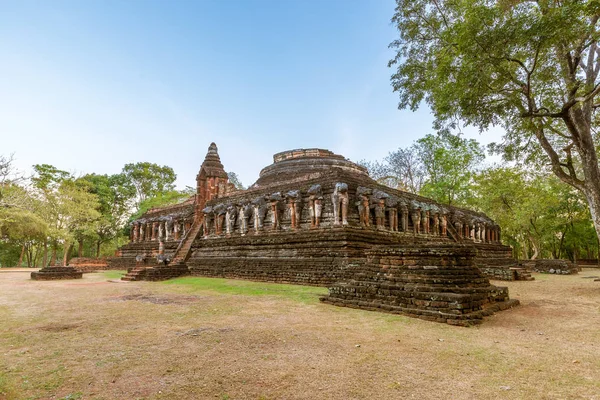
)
(52, 215)
(540, 216)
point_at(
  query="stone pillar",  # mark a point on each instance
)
(315, 205)
(404, 210)
(142, 233)
(393, 218)
(425, 221)
(380, 214)
(436, 224)
(364, 211)
(294, 204)
(443, 225)
(176, 229)
(415, 216)
(230, 217)
(148, 231)
(219, 224)
(135, 228)
(339, 198)
(245, 212)
(275, 210)
(161, 230)
(206, 220)
(257, 224)
(154, 229)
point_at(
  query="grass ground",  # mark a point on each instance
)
(201, 338)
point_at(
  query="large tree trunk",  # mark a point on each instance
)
(535, 248)
(53, 256)
(66, 255)
(28, 254)
(35, 256)
(593, 198)
(98, 244)
(21, 256)
(80, 249)
(45, 262)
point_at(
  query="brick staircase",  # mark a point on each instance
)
(522, 274)
(453, 233)
(183, 251)
(136, 274)
(177, 266)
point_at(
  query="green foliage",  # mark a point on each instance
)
(235, 180)
(149, 180)
(539, 215)
(115, 196)
(162, 199)
(475, 59)
(437, 166)
(529, 67)
(113, 274)
(449, 161)
(54, 209)
(9, 254)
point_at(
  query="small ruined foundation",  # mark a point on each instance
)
(89, 264)
(56, 273)
(315, 218)
(549, 266)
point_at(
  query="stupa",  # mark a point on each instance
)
(315, 218)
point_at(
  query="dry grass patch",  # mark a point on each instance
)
(198, 338)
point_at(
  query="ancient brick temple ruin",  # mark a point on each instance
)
(315, 218)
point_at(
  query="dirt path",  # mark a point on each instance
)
(92, 339)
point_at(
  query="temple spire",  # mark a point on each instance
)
(211, 181)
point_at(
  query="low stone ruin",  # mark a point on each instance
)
(56, 273)
(89, 264)
(549, 266)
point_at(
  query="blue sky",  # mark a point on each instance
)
(88, 86)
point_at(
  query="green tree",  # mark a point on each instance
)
(402, 169)
(149, 180)
(540, 216)
(530, 67)
(235, 180)
(438, 166)
(115, 197)
(517, 202)
(163, 199)
(449, 162)
(68, 207)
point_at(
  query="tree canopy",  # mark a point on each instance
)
(54, 209)
(149, 180)
(529, 67)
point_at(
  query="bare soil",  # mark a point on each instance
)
(94, 339)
